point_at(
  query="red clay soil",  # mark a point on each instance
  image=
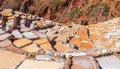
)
(80, 11)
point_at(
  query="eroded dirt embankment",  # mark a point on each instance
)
(65, 11)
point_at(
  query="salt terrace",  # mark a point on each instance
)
(50, 45)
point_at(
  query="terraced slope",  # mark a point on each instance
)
(46, 44)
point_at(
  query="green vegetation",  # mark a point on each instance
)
(98, 8)
(74, 13)
(118, 6)
(67, 10)
(54, 3)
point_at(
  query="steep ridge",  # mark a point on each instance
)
(33, 42)
(66, 11)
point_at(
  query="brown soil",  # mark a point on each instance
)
(65, 11)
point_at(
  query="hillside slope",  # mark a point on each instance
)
(65, 11)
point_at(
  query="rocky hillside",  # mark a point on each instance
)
(31, 42)
(65, 11)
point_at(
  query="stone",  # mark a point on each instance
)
(4, 36)
(61, 48)
(33, 64)
(31, 48)
(10, 60)
(5, 43)
(21, 42)
(17, 34)
(30, 35)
